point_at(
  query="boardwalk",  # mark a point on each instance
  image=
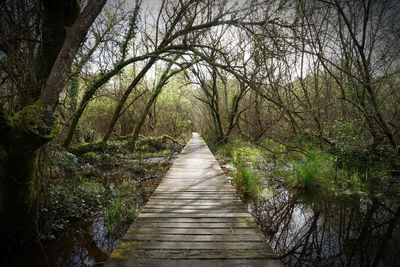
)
(194, 218)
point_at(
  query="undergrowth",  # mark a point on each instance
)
(319, 173)
(75, 188)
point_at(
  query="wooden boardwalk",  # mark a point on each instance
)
(194, 218)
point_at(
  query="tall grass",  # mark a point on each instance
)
(245, 180)
(117, 212)
(315, 171)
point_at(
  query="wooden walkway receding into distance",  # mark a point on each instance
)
(194, 218)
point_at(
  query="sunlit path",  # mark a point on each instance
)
(194, 218)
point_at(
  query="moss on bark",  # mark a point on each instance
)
(22, 136)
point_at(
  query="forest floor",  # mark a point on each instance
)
(92, 201)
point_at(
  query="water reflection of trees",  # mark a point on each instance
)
(88, 246)
(356, 231)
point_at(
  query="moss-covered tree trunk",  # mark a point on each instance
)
(22, 136)
(24, 133)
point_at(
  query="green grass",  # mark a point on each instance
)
(117, 212)
(313, 172)
(113, 214)
(245, 180)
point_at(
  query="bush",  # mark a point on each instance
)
(62, 160)
(120, 210)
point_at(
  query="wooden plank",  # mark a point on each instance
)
(197, 245)
(195, 198)
(177, 191)
(197, 193)
(197, 238)
(192, 262)
(183, 211)
(191, 231)
(195, 254)
(220, 225)
(193, 195)
(195, 207)
(194, 218)
(195, 202)
(198, 215)
(191, 187)
(192, 210)
(190, 207)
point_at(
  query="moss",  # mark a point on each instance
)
(118, 254)
(129, 244)
(244, 219)
(124, 250)
(35, 119)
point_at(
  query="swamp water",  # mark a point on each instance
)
(356, 230)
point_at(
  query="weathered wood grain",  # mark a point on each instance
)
(194, 218)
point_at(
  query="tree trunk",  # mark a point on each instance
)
(22, 136)
(27, 131)
(122, 102)
(163, 80)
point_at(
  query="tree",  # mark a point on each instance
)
(63, 29)
(362, 59)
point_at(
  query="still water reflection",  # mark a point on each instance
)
(86, 244)
(355, 230)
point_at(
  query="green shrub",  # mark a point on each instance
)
(69, 201)
(150, 144)
(64, 161)
(92, 157)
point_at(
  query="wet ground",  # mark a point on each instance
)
(84, 244)
(86, 241)
(305, 229)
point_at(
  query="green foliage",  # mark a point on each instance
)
(314, 172)
(121, 210)
(92, 156)
(113, 214)
(156, 154)
(320, 173)
(64, 161)
(150, 144)
(73, 92)
(69, 201)
(245, 180)
(89, 135)
(354, 152)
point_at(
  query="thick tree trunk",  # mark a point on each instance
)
(27, 131)
(22, 136)
(75, 35)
